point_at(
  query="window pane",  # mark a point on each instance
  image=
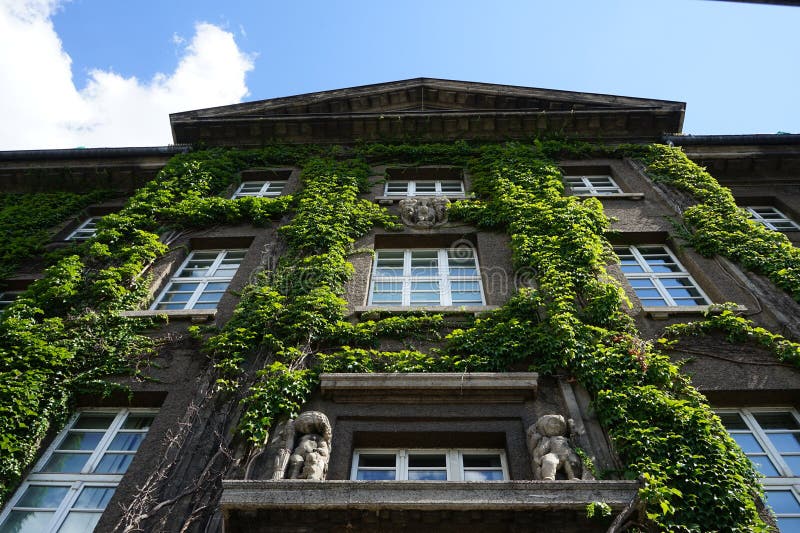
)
(382, 460)
(780, 420)
(764, 465)
(94, 498)
(426, 460)
(425, 286)
(397, 187)
(126, 442)
(782, 501)
(427, 475)
(747, 442)
(42, 496)
(375, 475)
(113, 463)
(454, 186)
(732, 421)
(387, 298)
(794, 463)
(93, 421)
(785, 442)
(87, 440)
(79, 522)
(27, 521)
(66, 462)
(483, 475)
(210, 297)
(482, 461)
(425, 263)
(789, 524)
(138, 422)
(426, 187)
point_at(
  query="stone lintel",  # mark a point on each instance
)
(430, 387)
(430, 495)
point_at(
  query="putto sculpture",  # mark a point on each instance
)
(306, 447)
(551, 450)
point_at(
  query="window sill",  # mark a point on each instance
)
(388, 200)
(615, 196)
(662, 313)
(443, 309)
(193, 315)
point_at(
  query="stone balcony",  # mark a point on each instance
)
(298, 505)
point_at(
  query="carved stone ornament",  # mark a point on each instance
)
(424, 212)
(310, 434)
(550, 447)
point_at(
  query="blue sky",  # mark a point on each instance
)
(736, 65)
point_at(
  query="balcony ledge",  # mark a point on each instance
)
(423, 495)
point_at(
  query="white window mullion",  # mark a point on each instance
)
(102, 446)
(444, 278)
(402, 465)
(407, 274)
(454, 466)
(66, 504)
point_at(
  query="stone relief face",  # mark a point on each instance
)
(424, 212)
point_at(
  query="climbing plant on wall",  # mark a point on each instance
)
(294, 317)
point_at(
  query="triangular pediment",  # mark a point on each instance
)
(426, 110)
(427, 95)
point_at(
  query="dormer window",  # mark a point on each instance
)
(772, 218)
(424, 188)
(85, 231)
(592, 185)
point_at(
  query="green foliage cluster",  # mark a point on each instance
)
(27, 220)
(716, 225)
(737, 328)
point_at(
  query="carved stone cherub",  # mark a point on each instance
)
(309, 460)
(550, 449)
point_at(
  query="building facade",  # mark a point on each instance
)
(423, 304)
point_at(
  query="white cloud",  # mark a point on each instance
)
(41, 107)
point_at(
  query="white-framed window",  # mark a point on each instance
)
(429, 465)
(426, 277)
(592, 185)
(658, 278)
(74, 480)
(424, 188)
(772, 218)
(260, 188)
(85, 231)
(770, 437)
(201, 280)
